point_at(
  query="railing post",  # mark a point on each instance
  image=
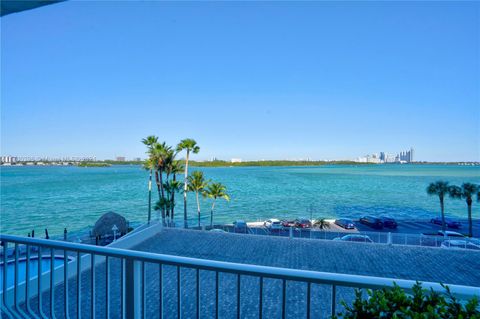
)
(132, 288)
(291, 232)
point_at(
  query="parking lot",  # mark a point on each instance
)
(417, 233)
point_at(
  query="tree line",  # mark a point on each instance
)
(467, 192)
(162, 163)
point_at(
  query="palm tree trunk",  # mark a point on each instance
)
(185, 187)
(150, 197)
(157, 180)
(442, 208)
(198, 209)
(162, 194)
(173, 199)
(470, 226)
(211, 214)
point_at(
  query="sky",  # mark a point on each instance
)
(251, 80)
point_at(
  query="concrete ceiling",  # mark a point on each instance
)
(12, 6)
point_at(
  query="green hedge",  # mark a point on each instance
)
(394, 303)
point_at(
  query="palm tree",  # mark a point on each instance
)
(163, 204)
(149, 165)
(171, 187)
(197, 184)
(439, 188)
(190, 145)
(321, 223)
(161, 155)
(149, 141)
(214, 191)
(466, 191)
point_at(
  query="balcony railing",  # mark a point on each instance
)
(117, 286)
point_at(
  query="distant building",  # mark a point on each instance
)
(8, 159)
(402, 157)
(120, 158)
(405, 156)
(236, 160)
(137, 159)
(382, 156)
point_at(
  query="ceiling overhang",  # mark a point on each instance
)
(12, 6)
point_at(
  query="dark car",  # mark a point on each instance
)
(372, 221)
(240, 226)
(345, 223)
(288, 223)
(389, 222)
(449, 222)
(303, 223)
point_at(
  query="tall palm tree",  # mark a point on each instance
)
(440, 189)
(149, 166)
(466, 191)
(190, 145)
(161, 153)
(214, 191)
(149, 141)
(197, 184)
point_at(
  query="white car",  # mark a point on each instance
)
(356, 238)
(459, 244)
(217, 230)
(449, 233)
(273, 224)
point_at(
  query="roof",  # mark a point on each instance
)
(12, 6)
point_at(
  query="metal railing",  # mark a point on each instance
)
(95, 282)
(377, 237)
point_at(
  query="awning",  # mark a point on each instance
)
(12, 6)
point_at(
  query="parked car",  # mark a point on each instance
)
(459, 244)
(288, 223)
(356, 238)
(449, 222)
(273, 224)
(449, 233)
(345, 223)
(217, 230)
(372, 221)
(240, 226)
(389, 222)
(303, 223)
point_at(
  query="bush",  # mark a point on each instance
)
(421, 304)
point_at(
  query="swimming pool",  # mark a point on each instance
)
(33, 265)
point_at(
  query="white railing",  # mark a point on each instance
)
(119, 277)
(377, 237)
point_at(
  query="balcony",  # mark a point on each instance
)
(131, 283)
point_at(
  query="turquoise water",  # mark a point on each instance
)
(74, 197)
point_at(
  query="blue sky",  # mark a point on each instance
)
(255, 80)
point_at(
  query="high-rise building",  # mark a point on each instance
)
(382, 156)
(120, 158)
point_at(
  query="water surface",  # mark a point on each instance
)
(74, 197)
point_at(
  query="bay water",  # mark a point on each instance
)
(55, 197)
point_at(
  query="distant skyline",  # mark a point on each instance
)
(251, 80)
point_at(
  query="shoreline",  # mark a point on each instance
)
(221, 164)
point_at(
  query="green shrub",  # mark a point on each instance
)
(420, 304)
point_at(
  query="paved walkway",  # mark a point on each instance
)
(405, 262)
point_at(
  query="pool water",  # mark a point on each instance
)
(22, 263)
